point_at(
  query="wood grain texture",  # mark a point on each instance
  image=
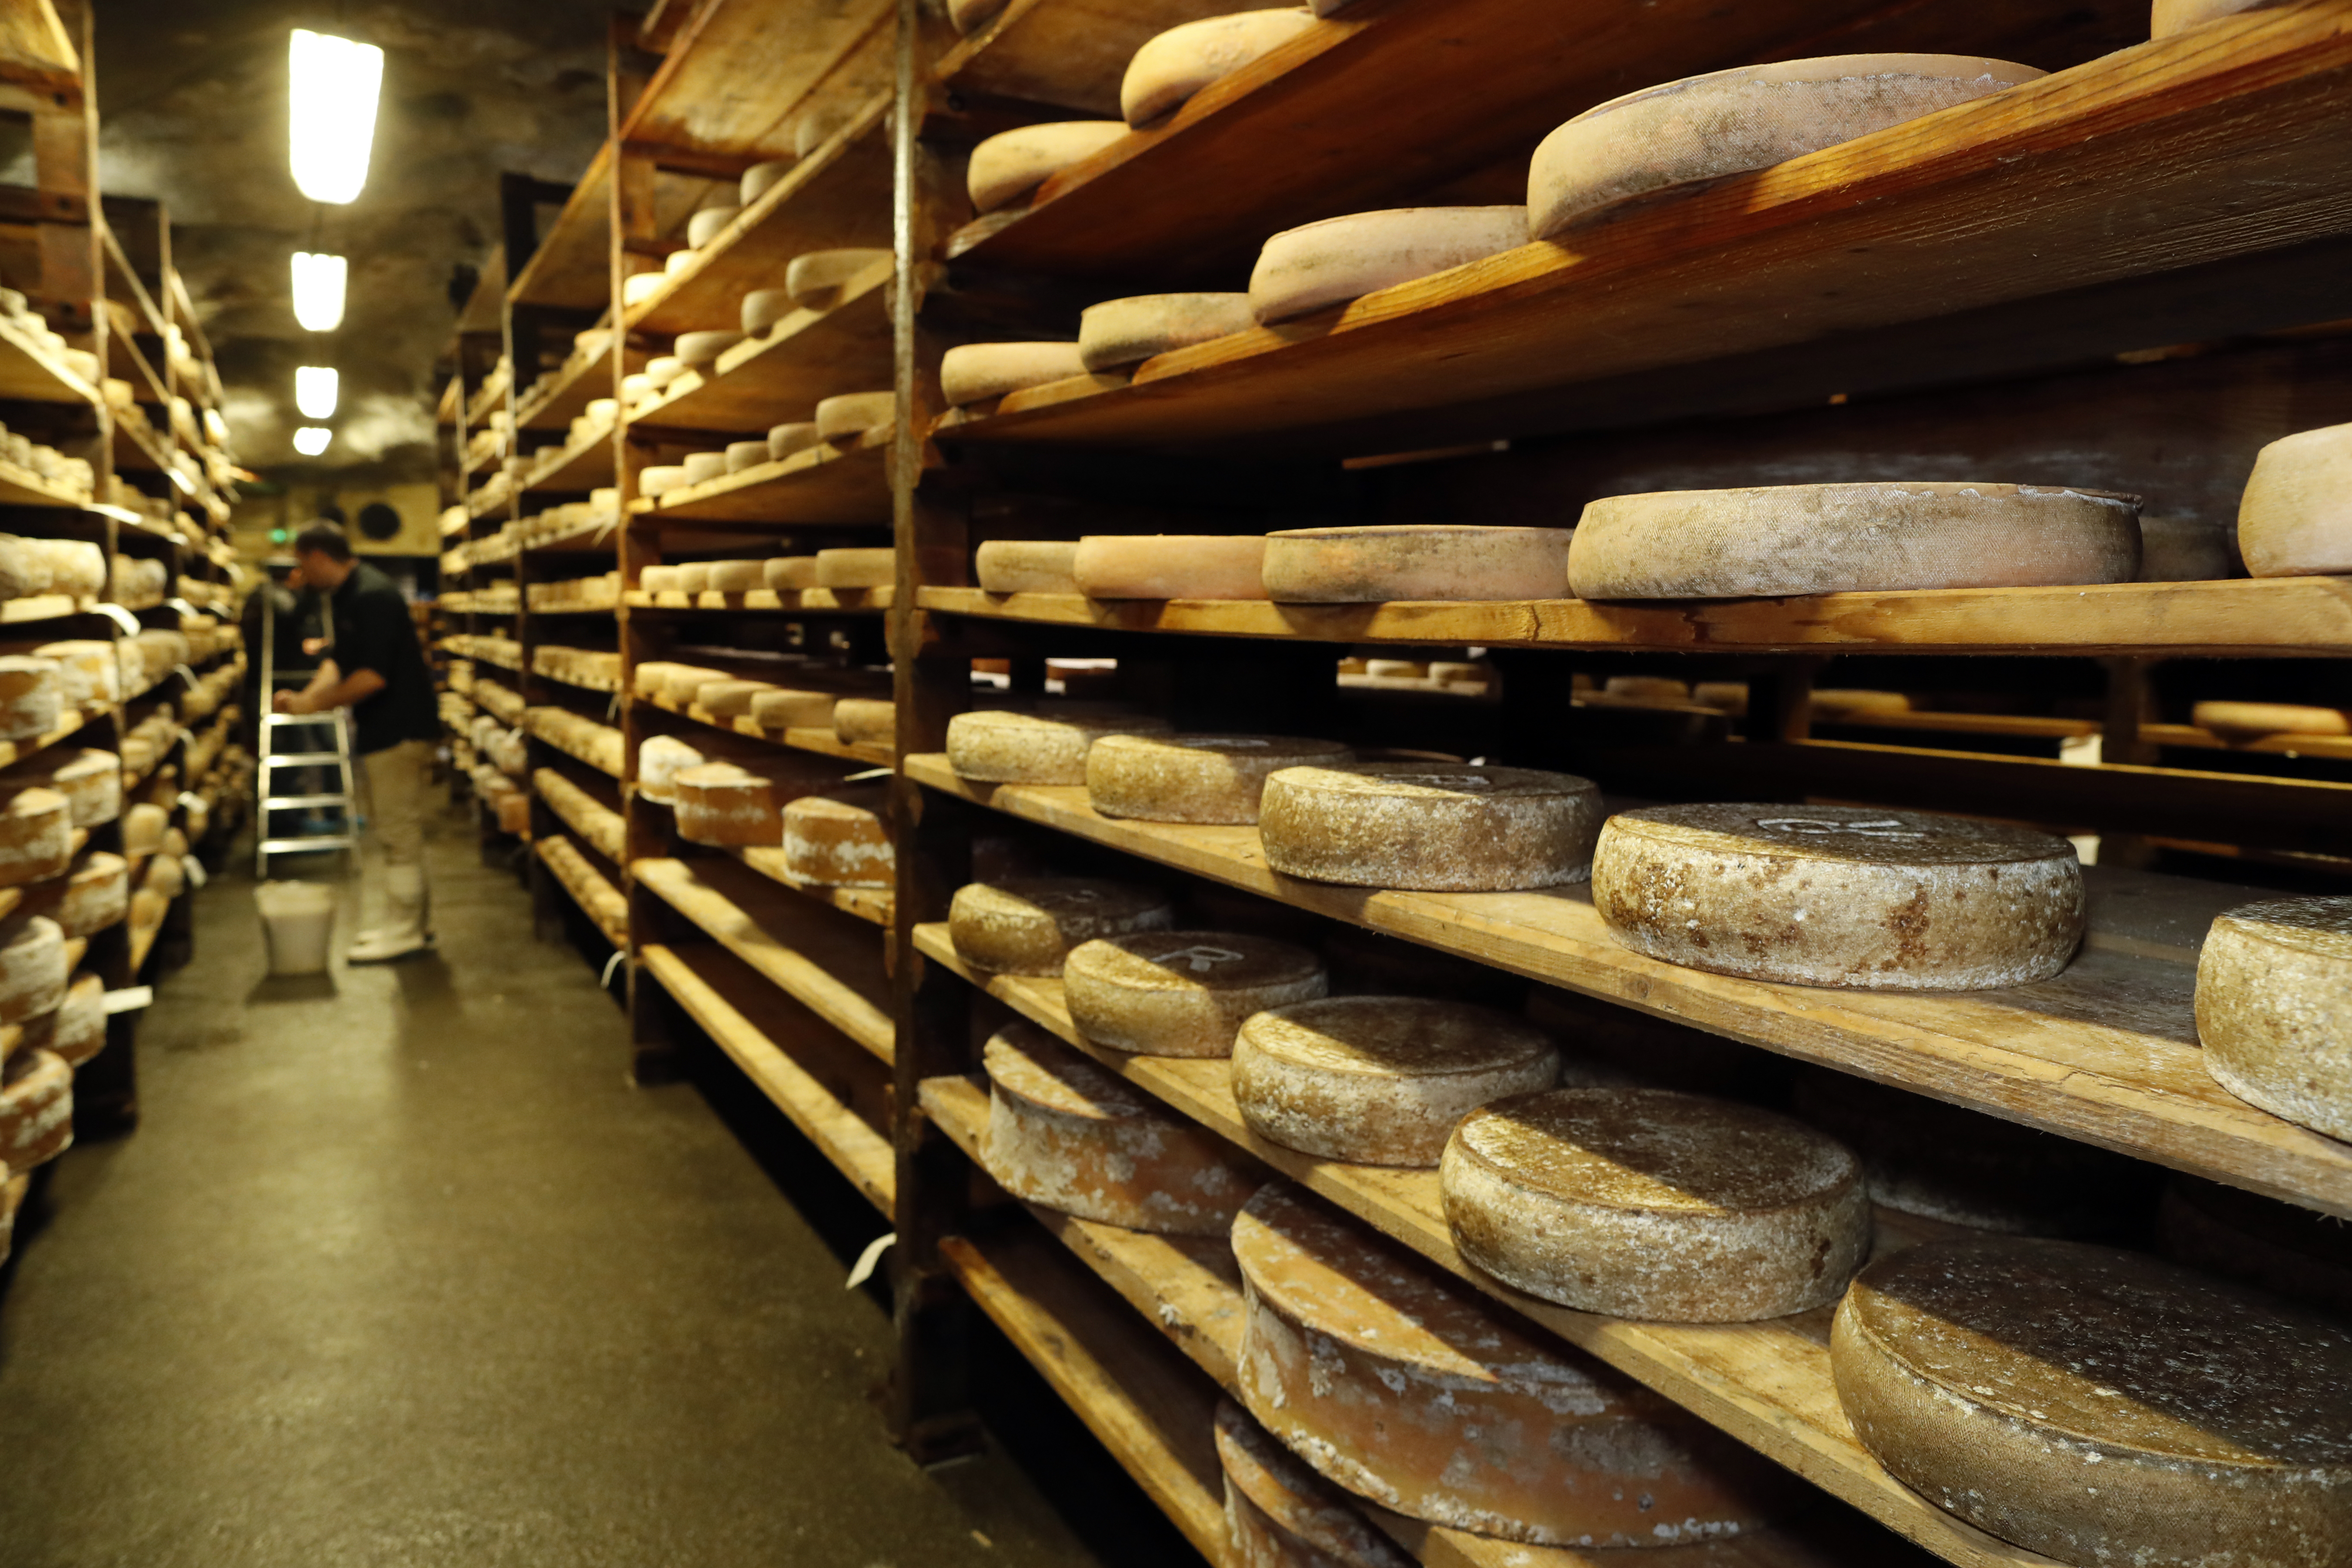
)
(808, 356)
(582, 882)
(1068, 52)
(740, 73)
(869, 904)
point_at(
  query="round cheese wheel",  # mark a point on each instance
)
(651, 679)
(95, 895)
(820, 125)
(856, 568)
(1416, 561)
(91, 782)
(1380, 1080)
(1069, 1136)
(815, 280)
(167, 875)
(36, 836)
(2183, 549)
(788, 574)
(1027, 565)
(867, 721)
(782, 707)
(1047, 748)
(742, 454)
(2101, 1406)
(681, 681)
(660, 480)
(1443, 828)
(708, 224)
(1171, 566)
(1194, 778)
(1410, 1391)
(77, 566)
(742, 801)
(76, 1030)
(32, 694)
(738, 576)
(1647, 1202)
(88, 672)
(2287, 1251)
(841, 838)
(1778, 540)
(1027, 925)
(762, 309)
(701, 348)
(33, 968)
(2275, 1008)
(728, 699)
(1180, 62)
(1183, 992)
(656, 580)
(36, 1109)
(1344, 258)
(637, 386)
(783, 440)
(1704, 127)
(2169, 16)
(1012, 163)
(2270, 719)
(664, 369)
(1121, 332)
(973, 372)
(660, 759)
(1281, 1514)
(1839, 895)
(144, 827)
(854, 415)
(701, 468)
(760, 178)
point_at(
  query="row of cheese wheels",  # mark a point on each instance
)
(844, 701)
(837, 569)
(841, 419)
(41, 683)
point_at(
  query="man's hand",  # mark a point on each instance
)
(311, 647)
(290, 702)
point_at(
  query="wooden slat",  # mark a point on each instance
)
(827, 485)
(579, 382)
(572, 268)
(804, 737)
(871, 904)
(1069, 52)
(782, 376)
(582, 882)
(585, 465)
(2105, 1052)
(741, 72)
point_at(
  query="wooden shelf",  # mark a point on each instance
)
(42, 607)
(823, 485)
(579, 381)
(747, 1019)
(571, 267)
(582, 465)
(582, 883)
(2105, 1052)
(2277, 615)
(22, 486)
(1067, 52)
(808, 356)
(739, 74)
(794, 601)
(870, 904)
(824, 742)
(2047, 225)
(559, 743)
(29, 371)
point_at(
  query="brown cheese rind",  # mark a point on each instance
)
(1183, 992)
(840, 839)
(997, 747)
(1194, 778)
(1027, 925)
(36, 1109)
(1385, 562)
(1281, 1514)
(2275, 1009)
(1440, 827)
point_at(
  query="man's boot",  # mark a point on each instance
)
(403, 932)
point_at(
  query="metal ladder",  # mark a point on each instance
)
(271, 761)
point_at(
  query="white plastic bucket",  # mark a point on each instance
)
(298, 918)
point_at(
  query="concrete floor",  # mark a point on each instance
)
(398, 1270)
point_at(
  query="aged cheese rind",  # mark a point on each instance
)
(1416, 561)
(1646, 1202)
(36, 837)
(762, 309)
(1772, 540)
(794, 435)
(1012, 163)
(870, 720)
(1342, 258)
(33, 970)
(840, 838)
(76, 1030)
(1027, 925)
(1033, 748)
(1843, 896)
(2100, 1406)
(660, 759)
(785, 708)
(36, 1109)
(742, 802)
(856, 568)
(2275, 1009)
(1380, 1080)
(1281, 1514)
(1174, 64)
(1183, 992)
(1120, 332)
(1065, 1134)
(1171, 566)
(1725, 123)
(1027, 565)
(816, 277)
(971, 373)
(1412, 1391)
(1194, 778)
(1433, 826)
(848, 416)
(91, 782)
(32, 695)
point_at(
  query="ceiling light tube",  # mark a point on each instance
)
(318, 282)
(315, 388)
(311, 439)
(333, 84)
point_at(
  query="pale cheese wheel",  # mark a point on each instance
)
(2183, 550)
(1174, 66)
(701, 468)
(1183, 992)
(820, 125)
(660, 480)
(866, 720)
(738, 576)
(91, 782)
(33, 969)
(1380, 1080)
(1195, 778)
(663, 369)
(1120, 332)
(698, 349)
(36, 836)
(167, 875)
(36, 1109)
(856, 568)
(760, 178)
(1027, 925)
(603, 411)
(1416, 561)
(76, 566)
(728, 699)
(637, 386)
(1171, 566)
(678, 261)
(1047, 748)
(652, 677)
(708, 224)
(2275, 1008)
(2285, 1249)
(815, 280)
(790, 573)
(1012, 163)
(95, 895)
(1410, 1391)
(1067, 1135)
(1027, 565)
(783, 708)
(2102, 1406)
(973, 372)
(841, 838)
(783, 440)
(660, 759)
(1280, 1514)
(143, 829)
(1838, 895)
(852, 414)
(762, 309)
(742, 454)
(656, 580)
(2270, 719)
(741, 803)
(76, 1030)
(32, 692)
(1432, 826)
(1871, 537)
(1647, 1202)
(1344, 258)
(681, 681)
(88, 672)
(1703, 128)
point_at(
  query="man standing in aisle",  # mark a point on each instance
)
(377, 667)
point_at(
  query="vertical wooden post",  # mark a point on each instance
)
(2130, 704)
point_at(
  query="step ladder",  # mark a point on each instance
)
(296, 740)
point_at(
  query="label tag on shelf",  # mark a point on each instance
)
(184, 673)
(869, 774)
(129, 999)
(121, 618)
(863, 1269)
(191, 801)
(197, 875)
(180, 605)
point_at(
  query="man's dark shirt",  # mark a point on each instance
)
(372, 631)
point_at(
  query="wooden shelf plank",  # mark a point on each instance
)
(582, 883)
(844, 485)
(740, 73)
(598, 824)
(30, 373)
(2105, 1053)
(782, 376)
(571, 268)
(585, 465)
(870, 904)
(2302, 616)
(1068, 52)
(805, 738)
(579, 381)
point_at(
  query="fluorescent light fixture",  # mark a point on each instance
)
(334, 84)
(315, 389)
(311, 439)
(319, 291)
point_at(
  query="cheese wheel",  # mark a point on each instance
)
(2101, 1406)
(2169, 16)
(1850, 538)
(1380, 1080)
(738, 576)
(783, 440)
(76, 1030)
(1120, 332)
(973, 372)
(815, 280)
(1839, 895)
(595, 821)
(663, 369)
(36, 836)
(1410, 1391)
(728, 699)
(867, 721)
(76, 566)
(788, 574)
(1172, 67)
(1027, 565)
(741, 803)
(1703, 128)
(699, 349)
(2270, 719)
(660, 480)
(1027, 925)
(32, 694)
(701, 468)
(1648, 688)
(1344, 258)
(1647, 1202)
(2284, 1249)
(637, 386)
(841, 838)
(2183, 550)
(166, 874)
(1171, 566)
(1430, 825)
(33, 969)
(1066, 1135)
(783, 708)
(36, 1109)
(1183, 992)
(12, 1193)
(762, 309)
(91, 782)
(656, 580)
(681, 681)
(660, 759)
(742, 454)
(1416, 561)
(652, 677)
(1047, 748)
(760, 178)
(1194, 778)
(1847, 702)
(88, 672)
(1012, 163)
(820, 125)
(856, 568)
(708, 224)
(2275, 1008)
(970, 15)
(93, 895)
(143, 829)
(1280, 1514)
(855, 415)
